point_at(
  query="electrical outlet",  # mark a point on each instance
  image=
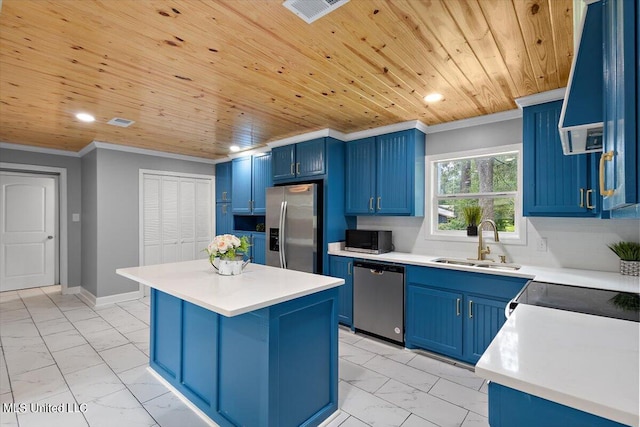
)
(542, 244)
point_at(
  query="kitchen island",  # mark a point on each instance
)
(258, 349)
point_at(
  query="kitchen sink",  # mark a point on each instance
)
(454, 261)
(478, 263)
(499, 266)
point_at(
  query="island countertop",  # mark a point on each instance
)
(257, 287)
(579, 360)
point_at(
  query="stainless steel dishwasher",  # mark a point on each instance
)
(378, 300)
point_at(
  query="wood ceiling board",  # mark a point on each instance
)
(198, 76)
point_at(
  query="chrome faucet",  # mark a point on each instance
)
(481, 250)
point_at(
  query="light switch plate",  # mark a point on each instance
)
(75, 217)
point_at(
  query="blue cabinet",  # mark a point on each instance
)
(510, 407)
(385, 175)
(434, 320)
(224, 218)
(620, 153)
(455, 313)
(250, 176)
(343, 267)
(257, 248)
(555, 185)
(302, 160)
(223, 182)
(361, 177)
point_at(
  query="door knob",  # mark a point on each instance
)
(49, 237)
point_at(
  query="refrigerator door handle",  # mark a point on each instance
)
(283, 242)
(280, 233)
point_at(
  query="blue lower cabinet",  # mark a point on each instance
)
(484, 318)
(434, 320)
(509, 407)
(258, 250)
(455, 313)
(272, 367)
(342, 267)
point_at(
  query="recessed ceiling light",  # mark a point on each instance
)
(85, 117)
(234, 148)
(434, 97)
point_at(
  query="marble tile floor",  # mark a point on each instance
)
(57, 350)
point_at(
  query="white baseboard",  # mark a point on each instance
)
(72, 290)
(94, 301)
(180, 396)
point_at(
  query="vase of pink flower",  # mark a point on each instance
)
(226, 254)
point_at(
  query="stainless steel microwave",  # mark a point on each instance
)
(368, 241)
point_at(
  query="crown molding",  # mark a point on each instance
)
(34, 149)
(307, 137)
(476, 121)
(143, 151)
(541, 98)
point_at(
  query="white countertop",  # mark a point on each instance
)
(583, 361)
(257, 287)
(565, 276)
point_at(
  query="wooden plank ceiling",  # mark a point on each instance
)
(199, 76)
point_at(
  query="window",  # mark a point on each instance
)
(490, 179)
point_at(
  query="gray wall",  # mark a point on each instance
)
(90, 222)
(74, 188)
(117, 178)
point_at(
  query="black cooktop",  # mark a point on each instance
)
(599, 302)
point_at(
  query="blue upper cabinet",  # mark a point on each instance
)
(241, 185)
(555, 185)
(303, 160)
(620, 153)
(261, 180)
(249, 178)
(385, 175)
(361, 177)
(283, 161)
(223, 182)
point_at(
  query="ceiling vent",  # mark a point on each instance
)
(123, 123)
(310, 10)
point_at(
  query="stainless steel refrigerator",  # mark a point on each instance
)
(292, 227)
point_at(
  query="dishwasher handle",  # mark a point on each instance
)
(379, 269)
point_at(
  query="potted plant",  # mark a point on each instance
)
(629, 254)
(226, 252)
(472, 215)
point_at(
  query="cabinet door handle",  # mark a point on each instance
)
(371, 204)
(470, 309)
(606, 157)
(589, 205)
(458, 306)
(298, 168)
(349, 268)
(582, 197)
(292, 171)
(224, 209)
(378, 202)
(224, 196)
(250, 205)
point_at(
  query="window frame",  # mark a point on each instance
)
(519, 237)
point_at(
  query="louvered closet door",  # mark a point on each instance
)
(203, 216)
(177, 218)
(187, 210)
(152, 252)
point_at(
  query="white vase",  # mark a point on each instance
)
(229, 267)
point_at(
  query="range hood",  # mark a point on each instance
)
(581, 119)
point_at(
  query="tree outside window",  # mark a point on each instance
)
(489, 181)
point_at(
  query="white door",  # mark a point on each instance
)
(27, 231)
